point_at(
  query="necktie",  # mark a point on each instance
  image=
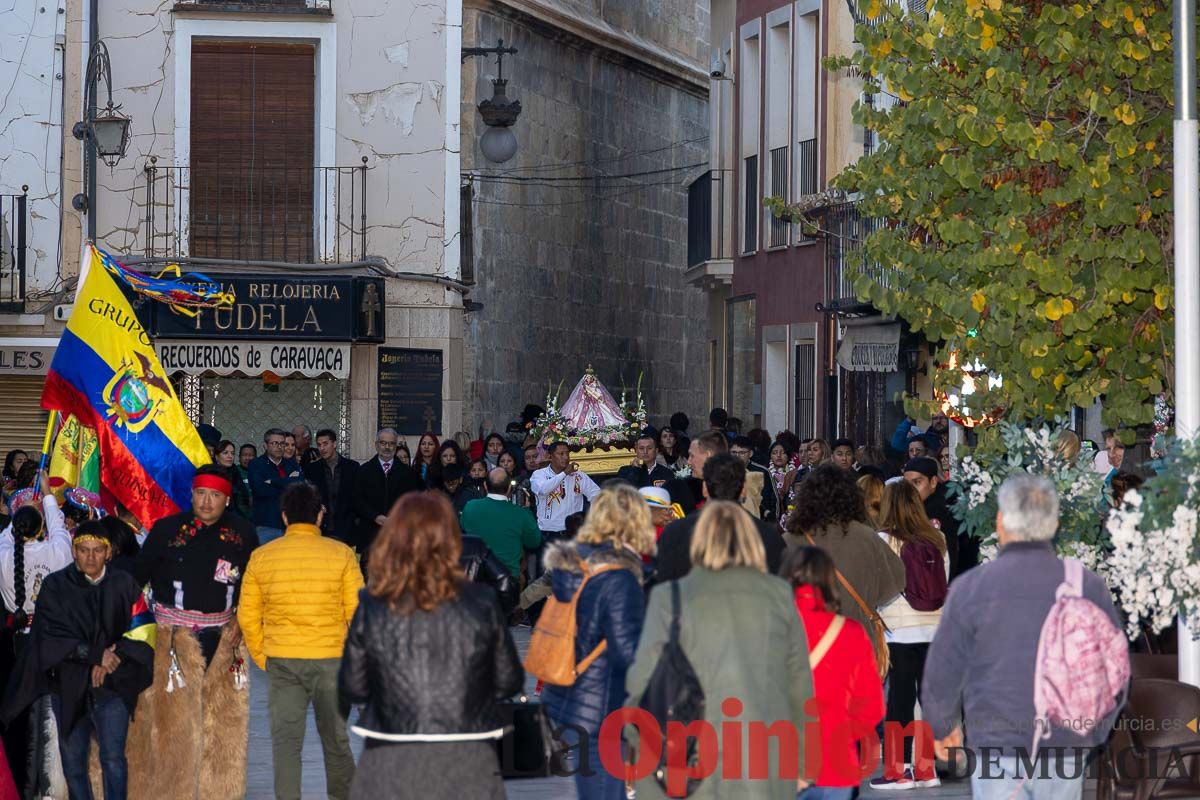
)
(387, 467)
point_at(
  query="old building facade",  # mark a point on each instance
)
(783, 320)
(579, 241)
(313, 157)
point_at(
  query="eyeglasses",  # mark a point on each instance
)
(275, 443)
(384, 443)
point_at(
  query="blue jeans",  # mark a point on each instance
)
(592, 780)
(827, 793)
(110, 721)
(1005, 779)
(267, 534)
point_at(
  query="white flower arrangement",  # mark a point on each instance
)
(1154, 567)
(1081, 492)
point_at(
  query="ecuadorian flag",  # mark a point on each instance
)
(106, 373)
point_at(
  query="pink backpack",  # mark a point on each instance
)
(1082, 662)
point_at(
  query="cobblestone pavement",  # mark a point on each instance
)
(259, 775)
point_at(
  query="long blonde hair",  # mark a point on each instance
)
(903, 516)
(726, 537)
(872, 492)
(619, 515)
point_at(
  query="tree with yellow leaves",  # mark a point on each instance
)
(1026, 182)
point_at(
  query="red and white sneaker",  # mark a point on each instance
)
(932, 782)
(886, 784)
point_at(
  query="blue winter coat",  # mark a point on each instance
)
(610, 607)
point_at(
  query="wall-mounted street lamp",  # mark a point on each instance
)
(106, 131)
(498, 142)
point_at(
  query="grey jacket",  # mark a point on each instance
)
(744, 638)
(984, 655)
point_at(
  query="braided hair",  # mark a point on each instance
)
(26, 525)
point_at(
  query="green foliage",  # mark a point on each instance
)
(1026, 177)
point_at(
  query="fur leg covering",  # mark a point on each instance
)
(190, 743)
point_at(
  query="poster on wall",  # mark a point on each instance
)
(410, 390)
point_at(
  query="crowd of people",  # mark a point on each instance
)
(794, 578)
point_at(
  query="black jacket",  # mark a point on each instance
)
(190, 565)
(339, 522)
(641, 477)
(768, 509)
(376, 493)
(937, 508)
(458, 660)
(675, 545)
(480, 565)
(74, 622)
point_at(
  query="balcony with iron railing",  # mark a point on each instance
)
(245, 213)
(777, 229)
(846, 231)
(709, 241)
(14, 217)
(258, 6)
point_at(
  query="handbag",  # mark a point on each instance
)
(528, 748)
(674, 694)
(878, 629)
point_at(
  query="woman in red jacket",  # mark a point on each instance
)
(846, 685)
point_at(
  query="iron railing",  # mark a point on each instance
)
(710, 210)
(806, 167)
(750, 200)
(699, 235)
(778, 228)
(846, 232)
(14, 217)
(295, 215)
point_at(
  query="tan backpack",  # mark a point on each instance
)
(551, 655)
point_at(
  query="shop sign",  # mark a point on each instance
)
(870, 348)
(329, 308)
(410, 390)
(26, 356)
(310, 359)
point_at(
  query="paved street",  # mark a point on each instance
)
(259, 782)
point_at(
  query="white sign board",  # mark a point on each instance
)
(310, 359)
(870, 348)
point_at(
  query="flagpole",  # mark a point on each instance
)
(46, 450)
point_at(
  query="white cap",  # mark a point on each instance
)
(656, 496)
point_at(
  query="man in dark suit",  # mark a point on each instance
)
(724, 479)
(380, 482)
(335, 477)
(647, 472)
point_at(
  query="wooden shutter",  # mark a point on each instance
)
(252, 146)
(22, 420)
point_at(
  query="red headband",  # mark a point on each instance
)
(210, 481)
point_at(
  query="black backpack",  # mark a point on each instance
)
(674, 694)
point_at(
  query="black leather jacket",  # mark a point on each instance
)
(480, 565)
(430, 672)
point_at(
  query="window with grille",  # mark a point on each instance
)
(779, 184)
(806, 389)
(466, 228)
(750, 195)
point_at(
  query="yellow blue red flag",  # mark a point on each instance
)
(107, 374)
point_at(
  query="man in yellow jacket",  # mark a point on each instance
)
(299, 594)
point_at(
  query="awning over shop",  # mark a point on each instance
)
(310, 359)
(870, 348)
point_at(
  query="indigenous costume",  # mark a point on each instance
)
(190, 741)
(75, 621)
(30, 740)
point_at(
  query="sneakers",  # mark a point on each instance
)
(904, 781)
(886, 784)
